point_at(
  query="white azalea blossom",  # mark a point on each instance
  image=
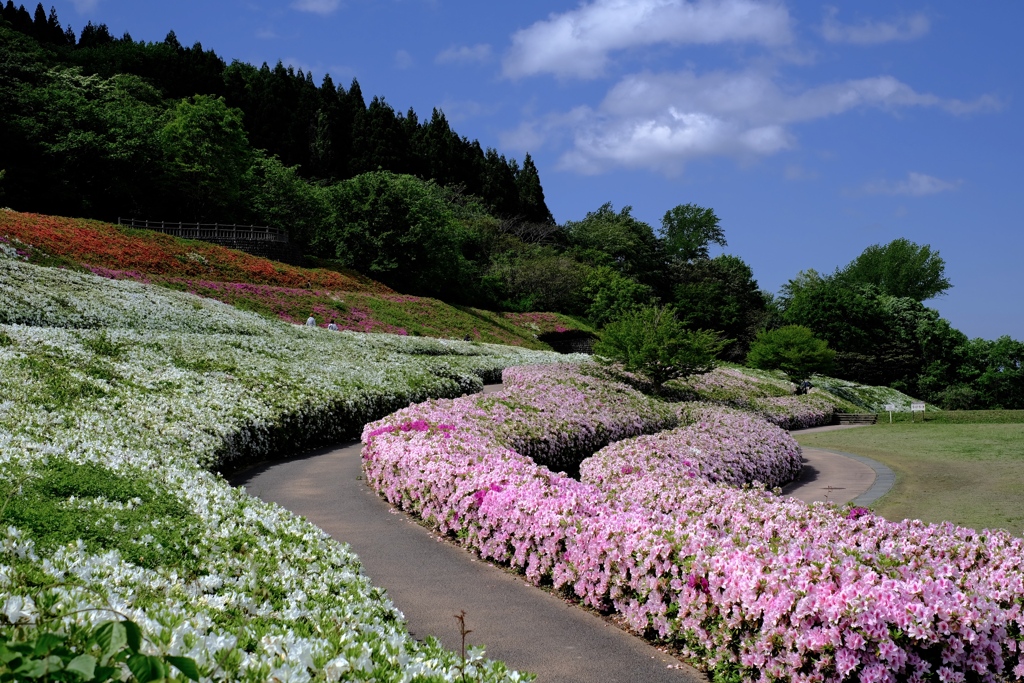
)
(165, 388)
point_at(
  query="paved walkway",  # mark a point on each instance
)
(431, 580)
(839, 477)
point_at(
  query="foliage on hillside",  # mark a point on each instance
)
(772, 395)
(273, 289)
(102, 126)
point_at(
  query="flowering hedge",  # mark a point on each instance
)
(117, 399)
(109, 246)
(750, 584)
(717, 444)
(353, 301)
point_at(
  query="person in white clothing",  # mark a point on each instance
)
(333, 327)
(310, 321)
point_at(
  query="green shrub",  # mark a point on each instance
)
(652, 342)
(794, 350)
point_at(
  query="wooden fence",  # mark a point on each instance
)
(211, 232)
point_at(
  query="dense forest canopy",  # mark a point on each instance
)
(104, 127)
(101, 127)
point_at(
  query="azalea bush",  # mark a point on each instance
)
(770, 395)
(753, 586)
(118, 403)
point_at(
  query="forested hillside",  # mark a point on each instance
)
(99, 127)
(102, 127)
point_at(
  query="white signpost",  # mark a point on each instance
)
(917, 407)
(889, 408)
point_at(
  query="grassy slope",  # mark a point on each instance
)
(274, 289)
(968, 474)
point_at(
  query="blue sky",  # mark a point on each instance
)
(813, 130)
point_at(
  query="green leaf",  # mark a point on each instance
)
(47, 642)
(33, 668)
(111, 636)
(185, 665)
(84, 666)
(147, 668)
(134, 634)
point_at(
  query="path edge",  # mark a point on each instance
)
(885, 478)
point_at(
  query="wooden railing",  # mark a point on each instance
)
(210, 231)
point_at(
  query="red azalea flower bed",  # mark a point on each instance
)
(104, 245)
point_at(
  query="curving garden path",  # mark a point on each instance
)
(839, 477)
(431, 580)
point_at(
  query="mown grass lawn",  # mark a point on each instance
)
(969, 473)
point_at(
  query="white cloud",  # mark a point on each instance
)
(83, 6)
(316, 6)
(874, 32)
(403, 60)
(464, 54)
(663, 120)
(577, 43)
(915, 185)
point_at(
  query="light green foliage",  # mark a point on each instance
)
(538, 278)
(276, 195)
(93, 656)
(612, 295)
(900, 268)
(688, 230)
(651, 341)
(792, 349)
(400, 230)
(62, 502)
(209, 151)
(866, 398)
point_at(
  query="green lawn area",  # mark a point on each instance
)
(971, 474)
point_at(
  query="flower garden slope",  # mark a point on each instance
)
(755, 586)
(91, 392)
(274, 289)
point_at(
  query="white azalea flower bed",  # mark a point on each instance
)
(119, 400)
(772, 396)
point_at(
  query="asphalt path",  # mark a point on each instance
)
(431, 580)
(839, 477)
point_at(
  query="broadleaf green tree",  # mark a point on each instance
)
(206, 143)
(900, 268)
(720, 294)
(400, 230)
(611, 295)
(652, 342)
(688, 231)
(794, 350)
(616, 239)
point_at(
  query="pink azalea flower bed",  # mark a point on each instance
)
(717, 444)
(738, 578)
